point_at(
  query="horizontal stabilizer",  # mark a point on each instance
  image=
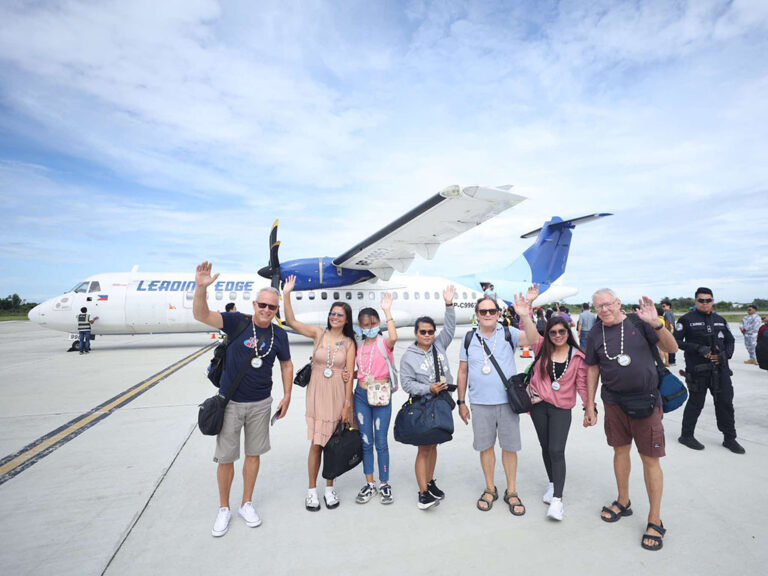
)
(572, 223)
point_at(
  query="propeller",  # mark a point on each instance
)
(272, 271)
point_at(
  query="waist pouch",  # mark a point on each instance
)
(637, 406)
(379, 393)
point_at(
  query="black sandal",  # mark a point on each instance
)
(512, 505)
(659, 543)
(495, 496)
(616, 516)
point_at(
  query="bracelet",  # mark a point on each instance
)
(449, 305)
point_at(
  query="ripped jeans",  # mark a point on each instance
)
(374, 426)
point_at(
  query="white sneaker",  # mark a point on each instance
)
(221, 525)
(547, 498)
(249, 514)
(312, 502)
(555, 509)
(331, 499)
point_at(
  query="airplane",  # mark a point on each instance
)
(157, 303)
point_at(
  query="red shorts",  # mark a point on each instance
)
(648, 433)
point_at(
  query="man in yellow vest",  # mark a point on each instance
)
(84, 323)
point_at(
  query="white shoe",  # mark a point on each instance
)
(249, 514)
(331, 499)
(555, 509)
(312, 502)
(221, 525)
(547, 498)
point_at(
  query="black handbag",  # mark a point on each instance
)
(210, 414)
(343, 451)
(302, 376)
(516, 385)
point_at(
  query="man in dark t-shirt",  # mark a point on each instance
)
(619, 353)
(255, 349)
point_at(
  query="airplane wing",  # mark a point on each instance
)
(421, 230)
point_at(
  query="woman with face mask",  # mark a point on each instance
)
(373, 404)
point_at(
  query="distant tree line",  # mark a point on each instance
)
(720, 305)
(14, 304)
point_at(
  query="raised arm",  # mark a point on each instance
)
(386, 305)
(647, 314)
(522, 304)
(313, 332)
(200, 309)
(445, 336)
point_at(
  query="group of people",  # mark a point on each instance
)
(352, 383)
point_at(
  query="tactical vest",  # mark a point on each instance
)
(82, 322)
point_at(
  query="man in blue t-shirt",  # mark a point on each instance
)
(249, 408)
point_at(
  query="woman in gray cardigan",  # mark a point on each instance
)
(419, 377)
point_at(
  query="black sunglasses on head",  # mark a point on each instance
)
(263, 305)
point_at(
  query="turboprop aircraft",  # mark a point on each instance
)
(147, 303)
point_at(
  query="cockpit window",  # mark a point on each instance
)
(81, 288)
(95, 287)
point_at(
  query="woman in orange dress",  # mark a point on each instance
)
(329, 393)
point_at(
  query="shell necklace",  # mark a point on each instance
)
(431, 365)
(367, 376)
(486, 369)
(328, 372)
(259, 359)
(555, 378)
(623, 359)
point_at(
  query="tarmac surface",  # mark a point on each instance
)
(131, 488)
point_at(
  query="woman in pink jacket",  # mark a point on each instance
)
(559, 372)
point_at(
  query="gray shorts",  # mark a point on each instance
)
(254, 417)
(490, 421)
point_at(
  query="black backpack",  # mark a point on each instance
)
(216, 367)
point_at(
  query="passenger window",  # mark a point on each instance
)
(324, 295)
(405, 296)
(348, 295)
(219, 295)
(311, 295)
(394, 296)
(371, 296)
(416, 295)
(246, 295)
(437, 295)
(359, 295)
(335, 295)
(189, 295)
(299, 295)
(95, 287)
(464, 295)
(426, 295)
(474, 296)
(233, 295)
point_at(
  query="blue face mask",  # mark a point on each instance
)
(370, 332)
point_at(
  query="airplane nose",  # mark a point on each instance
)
(36, 314)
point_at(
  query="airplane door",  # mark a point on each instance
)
(144, 311)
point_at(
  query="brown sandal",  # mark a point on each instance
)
(482, 500)
(512, 505)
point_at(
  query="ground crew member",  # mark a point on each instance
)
(84, 323)
(708, 345)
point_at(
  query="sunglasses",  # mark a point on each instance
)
(336, 314)
(487, 311)
(263, 305)
(427, 332)
(704, 300)
(561, 332)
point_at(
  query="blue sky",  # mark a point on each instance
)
(165, 133)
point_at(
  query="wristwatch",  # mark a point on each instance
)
(460, 402)
(659, 327)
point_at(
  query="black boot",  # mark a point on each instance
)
(733, 446)
(691, 442)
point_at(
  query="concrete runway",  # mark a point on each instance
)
(135, 492)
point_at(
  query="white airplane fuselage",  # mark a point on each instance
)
(145, 303)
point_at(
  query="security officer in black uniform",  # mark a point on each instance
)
(708, 345)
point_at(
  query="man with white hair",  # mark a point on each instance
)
(619, 353)
(257, 342)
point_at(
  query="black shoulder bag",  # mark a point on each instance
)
(516, 386)
(216, 367)
(210, 416)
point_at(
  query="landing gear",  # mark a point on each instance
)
(75, 346)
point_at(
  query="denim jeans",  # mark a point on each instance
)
(85, 340)
(374, 425)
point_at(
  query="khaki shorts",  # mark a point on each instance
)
(254, 417)
(648, 433)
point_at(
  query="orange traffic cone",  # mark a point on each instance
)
(213, 336)
(526, 353)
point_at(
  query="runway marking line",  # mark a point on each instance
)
(17, 462)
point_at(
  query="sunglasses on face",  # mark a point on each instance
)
(704, 300)
(561, 332)
(336, 314)
(487, 311)
(427, 332)
(263, 305)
